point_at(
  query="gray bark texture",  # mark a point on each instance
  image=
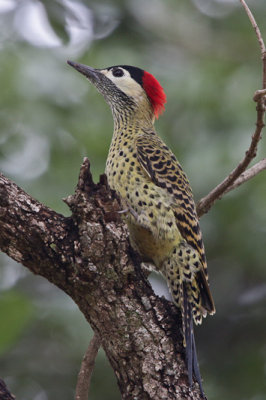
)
(89, 257)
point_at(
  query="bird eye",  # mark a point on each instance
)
(117, 72)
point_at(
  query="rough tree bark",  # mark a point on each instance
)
(89, 257)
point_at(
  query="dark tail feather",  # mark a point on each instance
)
(196, 365)
(189, 349)
(191, 352)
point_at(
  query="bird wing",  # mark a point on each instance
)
(162, 167)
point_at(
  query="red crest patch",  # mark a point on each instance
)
(154, 92)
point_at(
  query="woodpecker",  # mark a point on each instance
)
(155, 193)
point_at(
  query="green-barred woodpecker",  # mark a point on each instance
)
(155, 193)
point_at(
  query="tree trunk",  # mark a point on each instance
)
(88, 256)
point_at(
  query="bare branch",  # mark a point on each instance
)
(248, 174)
(260, 98)
(87, 365)
(255, 25)
(260, 40)
(206, 202)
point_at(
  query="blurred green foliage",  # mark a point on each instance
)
(205, 54)
(15, 311)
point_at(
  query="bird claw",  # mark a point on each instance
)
(141, 218)
(133, 212)
(123, 211)
(128, 209)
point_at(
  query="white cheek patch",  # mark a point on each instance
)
(130, 87)
(125, 83)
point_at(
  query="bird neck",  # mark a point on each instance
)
(133, 121)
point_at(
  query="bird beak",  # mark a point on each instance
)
(92, 74)
(103, 84)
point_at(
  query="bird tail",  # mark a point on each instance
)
(189, 341)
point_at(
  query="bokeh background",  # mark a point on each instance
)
(205, 54)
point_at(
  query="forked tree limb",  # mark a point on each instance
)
(89, 257)
(227, 184)
(238, 175)
(248, 174)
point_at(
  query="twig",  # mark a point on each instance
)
(248, 174)
(235, 176)
(206, 202)
(254, 24)
(86, 368)
(260, 40)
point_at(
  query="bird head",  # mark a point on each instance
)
(126, 87)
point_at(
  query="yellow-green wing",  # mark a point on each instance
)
(161, 165)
